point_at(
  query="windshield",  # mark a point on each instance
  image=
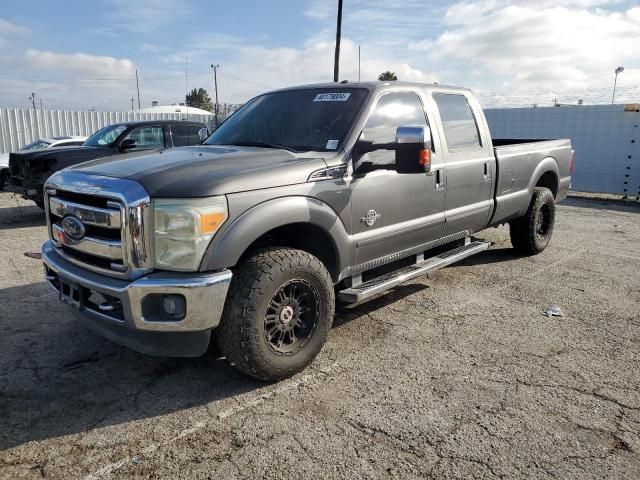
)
(299, 120)
(105, 137)
(36, 145)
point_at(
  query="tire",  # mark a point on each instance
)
(531, 233)
(39, 203)
(278, 313)
(4, 178)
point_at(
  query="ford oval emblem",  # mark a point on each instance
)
(73, 227)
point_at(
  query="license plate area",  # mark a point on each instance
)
(71, 293)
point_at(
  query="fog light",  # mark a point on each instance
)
(174, 305)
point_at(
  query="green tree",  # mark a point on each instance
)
(199, 98)
(387, 76)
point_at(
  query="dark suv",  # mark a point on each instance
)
(29, 170)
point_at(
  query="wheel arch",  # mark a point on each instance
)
(298, 222)
(546, 174)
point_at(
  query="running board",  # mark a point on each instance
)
(385, 282)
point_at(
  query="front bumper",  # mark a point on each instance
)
(130, 312)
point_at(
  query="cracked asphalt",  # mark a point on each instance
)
(458, 375)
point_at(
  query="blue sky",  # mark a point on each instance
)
(79, 54)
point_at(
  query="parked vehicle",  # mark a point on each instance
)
(304, 194)
(30, 169)
(49, 142)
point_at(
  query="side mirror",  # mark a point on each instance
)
(413, 149)
(203, 133)
(128, 144)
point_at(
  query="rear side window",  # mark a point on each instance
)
(458, 121)
(184, 135)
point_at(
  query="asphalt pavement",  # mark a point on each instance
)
(455, 375)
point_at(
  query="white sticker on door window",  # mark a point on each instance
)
(332, 97)
(332, 144)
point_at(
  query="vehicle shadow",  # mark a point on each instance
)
(602, 204)
(493, 255)
(21, 216)
(57, 377)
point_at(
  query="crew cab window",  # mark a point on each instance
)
(393, 110)
(458, 121)
(184, 135)
(147, 137)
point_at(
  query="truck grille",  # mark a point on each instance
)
(101, 244)
(100, 223)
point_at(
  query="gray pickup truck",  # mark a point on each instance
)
(304, 197)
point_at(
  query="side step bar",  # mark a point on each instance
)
(385, 282)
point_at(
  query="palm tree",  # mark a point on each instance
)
(387, 76)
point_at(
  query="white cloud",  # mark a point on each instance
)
(528, 47)
(145, 16)
(8, 28)
(79, 63)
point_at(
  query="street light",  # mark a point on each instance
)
(615, 81)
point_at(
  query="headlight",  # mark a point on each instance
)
(183, 229)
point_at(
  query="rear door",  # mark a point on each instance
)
(469, 162)
(394, 212)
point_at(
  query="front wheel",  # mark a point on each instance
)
(278, 313)
(531, 233)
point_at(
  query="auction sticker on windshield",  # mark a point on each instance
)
(332, 97)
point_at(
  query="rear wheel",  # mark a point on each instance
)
(4, 178)
(531, 233)
(278, 313)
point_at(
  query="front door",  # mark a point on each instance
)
(393, 212)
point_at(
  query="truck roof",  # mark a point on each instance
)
(371, 86)
(159, 122)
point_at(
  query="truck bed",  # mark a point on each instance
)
(519, 166)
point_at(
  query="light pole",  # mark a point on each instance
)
(336, 58)
(215, 87)
(615, 81)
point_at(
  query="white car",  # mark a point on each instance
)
(49, 142)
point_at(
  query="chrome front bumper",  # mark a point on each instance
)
(130, 312)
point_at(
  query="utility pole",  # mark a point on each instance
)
(131, 103)
(358, 63)
(33, 100)
(137, 88)
(215, 87)
(615, 81)
(336, 60)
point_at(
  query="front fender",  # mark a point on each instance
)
(229, 245)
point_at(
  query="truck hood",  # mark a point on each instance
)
(203, 171)
(60, 157)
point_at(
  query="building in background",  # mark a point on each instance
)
(606, 139)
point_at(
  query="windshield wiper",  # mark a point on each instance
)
(263, 145)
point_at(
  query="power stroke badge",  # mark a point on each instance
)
(370, 218)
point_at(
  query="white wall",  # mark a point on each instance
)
(19, 127)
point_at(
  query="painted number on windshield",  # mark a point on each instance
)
(332, 97)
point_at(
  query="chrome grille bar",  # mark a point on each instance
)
(98, 217)
(92, 246)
